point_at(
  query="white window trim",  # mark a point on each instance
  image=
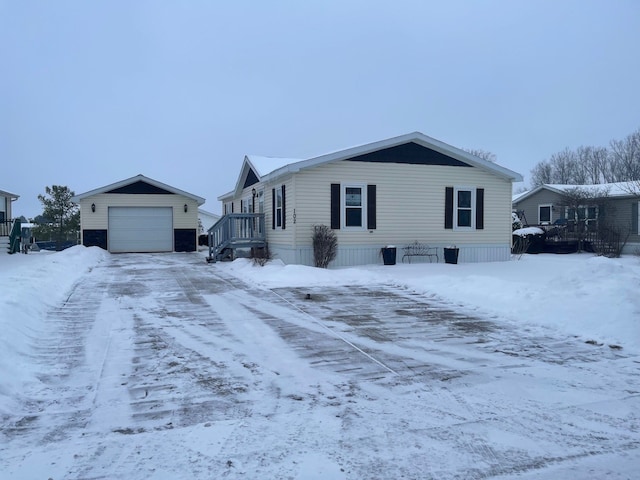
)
(455, 207)
(586, 210)
(278, 191)
(248, 202)
(343, 205)
(550, 205)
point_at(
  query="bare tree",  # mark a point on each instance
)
(564, 167)
(625, 155)
(541, 174)
(483, 154)
(592, 162)
(578, 202)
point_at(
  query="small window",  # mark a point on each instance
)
(353, 206)
(544, 214)
(464, 207)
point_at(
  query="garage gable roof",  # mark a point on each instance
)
(138, 185)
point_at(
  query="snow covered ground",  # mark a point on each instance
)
(163, 366)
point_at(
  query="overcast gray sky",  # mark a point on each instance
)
(93, 92)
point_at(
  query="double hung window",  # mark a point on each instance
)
(464, 207)
(544, 214)
(353, 206)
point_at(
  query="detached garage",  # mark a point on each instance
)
(139, 214)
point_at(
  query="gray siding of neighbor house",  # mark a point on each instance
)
(620, 211)
(623, 211)
(543, 197)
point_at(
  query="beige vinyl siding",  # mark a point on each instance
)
(278, 235)
(410, 203)
(99, 220)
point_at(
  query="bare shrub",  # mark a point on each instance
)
(260, 256)
(520, 245)
(325, 245)
(611, 240)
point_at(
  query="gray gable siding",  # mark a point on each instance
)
(409, 153)
(543, 197)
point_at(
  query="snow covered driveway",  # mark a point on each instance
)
(161, 366)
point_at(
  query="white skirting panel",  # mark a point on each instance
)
(368, 255)
(631, 249)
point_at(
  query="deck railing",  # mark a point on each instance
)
(236, 230)
(5, 228)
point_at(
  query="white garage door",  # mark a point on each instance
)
(140, 229)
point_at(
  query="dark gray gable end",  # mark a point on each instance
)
(251, 179)
(139, 188)
(409, 153)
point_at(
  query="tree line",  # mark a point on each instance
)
(619, 162)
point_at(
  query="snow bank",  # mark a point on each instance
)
(579, 294)
(30, 285)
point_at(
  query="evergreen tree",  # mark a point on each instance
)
(61, 214)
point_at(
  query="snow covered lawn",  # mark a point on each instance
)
(163, 366)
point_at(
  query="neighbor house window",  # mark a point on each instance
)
(354, 206)
(464, 207)
(544, 214)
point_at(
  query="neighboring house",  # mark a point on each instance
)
(617, 202)
(6, 199)
(6, 222)
(207, 219)
(139, 214)
(391, 192)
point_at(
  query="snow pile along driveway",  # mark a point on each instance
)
(163, 366)
(30, 285)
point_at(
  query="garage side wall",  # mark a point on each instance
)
(95, 224)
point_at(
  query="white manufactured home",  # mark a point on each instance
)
(392, 192)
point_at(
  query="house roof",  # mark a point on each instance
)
(12, 196)
(619, 189)
(208, 214)
(132, 180)
(271, 168)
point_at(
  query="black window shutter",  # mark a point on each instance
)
(335, 206)
(479, 208)
(634, 218)
(273, 209)
(284, 211)
(448, 207)
(231, 207)
(371, 207)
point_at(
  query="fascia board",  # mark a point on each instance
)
(416, 137)
(129, 181)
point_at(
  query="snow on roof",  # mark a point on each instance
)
(266, 165)
(517, 196)
(619, 189)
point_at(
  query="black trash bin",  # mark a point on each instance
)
(389, 255)
(451, 254)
